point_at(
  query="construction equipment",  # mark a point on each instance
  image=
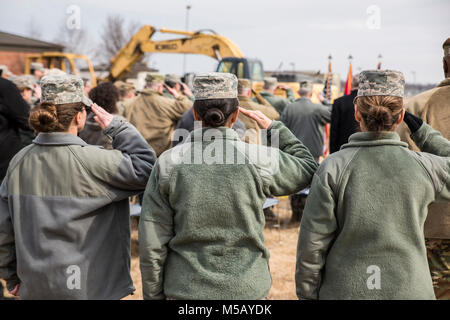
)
(61, 60)
(205, 42)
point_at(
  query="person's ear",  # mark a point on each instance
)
(79, 118)
(196, 116)
(234, 115)
(402, 116)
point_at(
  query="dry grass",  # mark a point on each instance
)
(281, 240)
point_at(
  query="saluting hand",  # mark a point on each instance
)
(15, 291)
(260, 118)
(102, 117)
(172, 91)
(283, 86)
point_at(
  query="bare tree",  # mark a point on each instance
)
(75, 40)
(34, 29)
(115, 35)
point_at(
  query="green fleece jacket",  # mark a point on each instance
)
(362, 232)
(201, 228)
(65, 215)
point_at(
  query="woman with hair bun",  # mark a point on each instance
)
(64, 212)
(201, 227)
(362, 231)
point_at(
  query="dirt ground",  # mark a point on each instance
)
(281, 240)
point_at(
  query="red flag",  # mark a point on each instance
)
(348, 84)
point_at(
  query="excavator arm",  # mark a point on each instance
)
(211, 45)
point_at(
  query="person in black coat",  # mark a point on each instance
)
(14, 112)
(343, 123)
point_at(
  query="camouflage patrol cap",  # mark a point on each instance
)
(215, 85)
(37, 66)
(154, 77)
(5, 70)
(270, 81)
(172, 78)
(54, 72)
(61, 89)
(446, 47)
(23, 82)
(306, 84)
(244, 84)
(125, 86)
(381, 83)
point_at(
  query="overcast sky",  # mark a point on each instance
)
(409, 33)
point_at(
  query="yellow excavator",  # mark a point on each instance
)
(205, 42)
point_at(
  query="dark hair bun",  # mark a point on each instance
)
(379, 118)
(44, 119)
(215, 112)
(214, 117)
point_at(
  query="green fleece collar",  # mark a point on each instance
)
(58, 139)
(223, 133)
(370, 139)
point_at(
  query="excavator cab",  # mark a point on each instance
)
(243, 68)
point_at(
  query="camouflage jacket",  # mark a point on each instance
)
(64, 215)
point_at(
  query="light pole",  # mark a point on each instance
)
(188, 7)
(380, 57)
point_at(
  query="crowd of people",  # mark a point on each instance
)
(203, 161)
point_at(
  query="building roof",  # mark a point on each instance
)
(12, 42)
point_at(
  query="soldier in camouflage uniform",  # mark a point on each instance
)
(279, 103)
(25, 86)
(368, 202)
(173, 86)
(127, 94)
(156, 116)
(433, 106)
(253, 133)
(4, 72)
(37, 70)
